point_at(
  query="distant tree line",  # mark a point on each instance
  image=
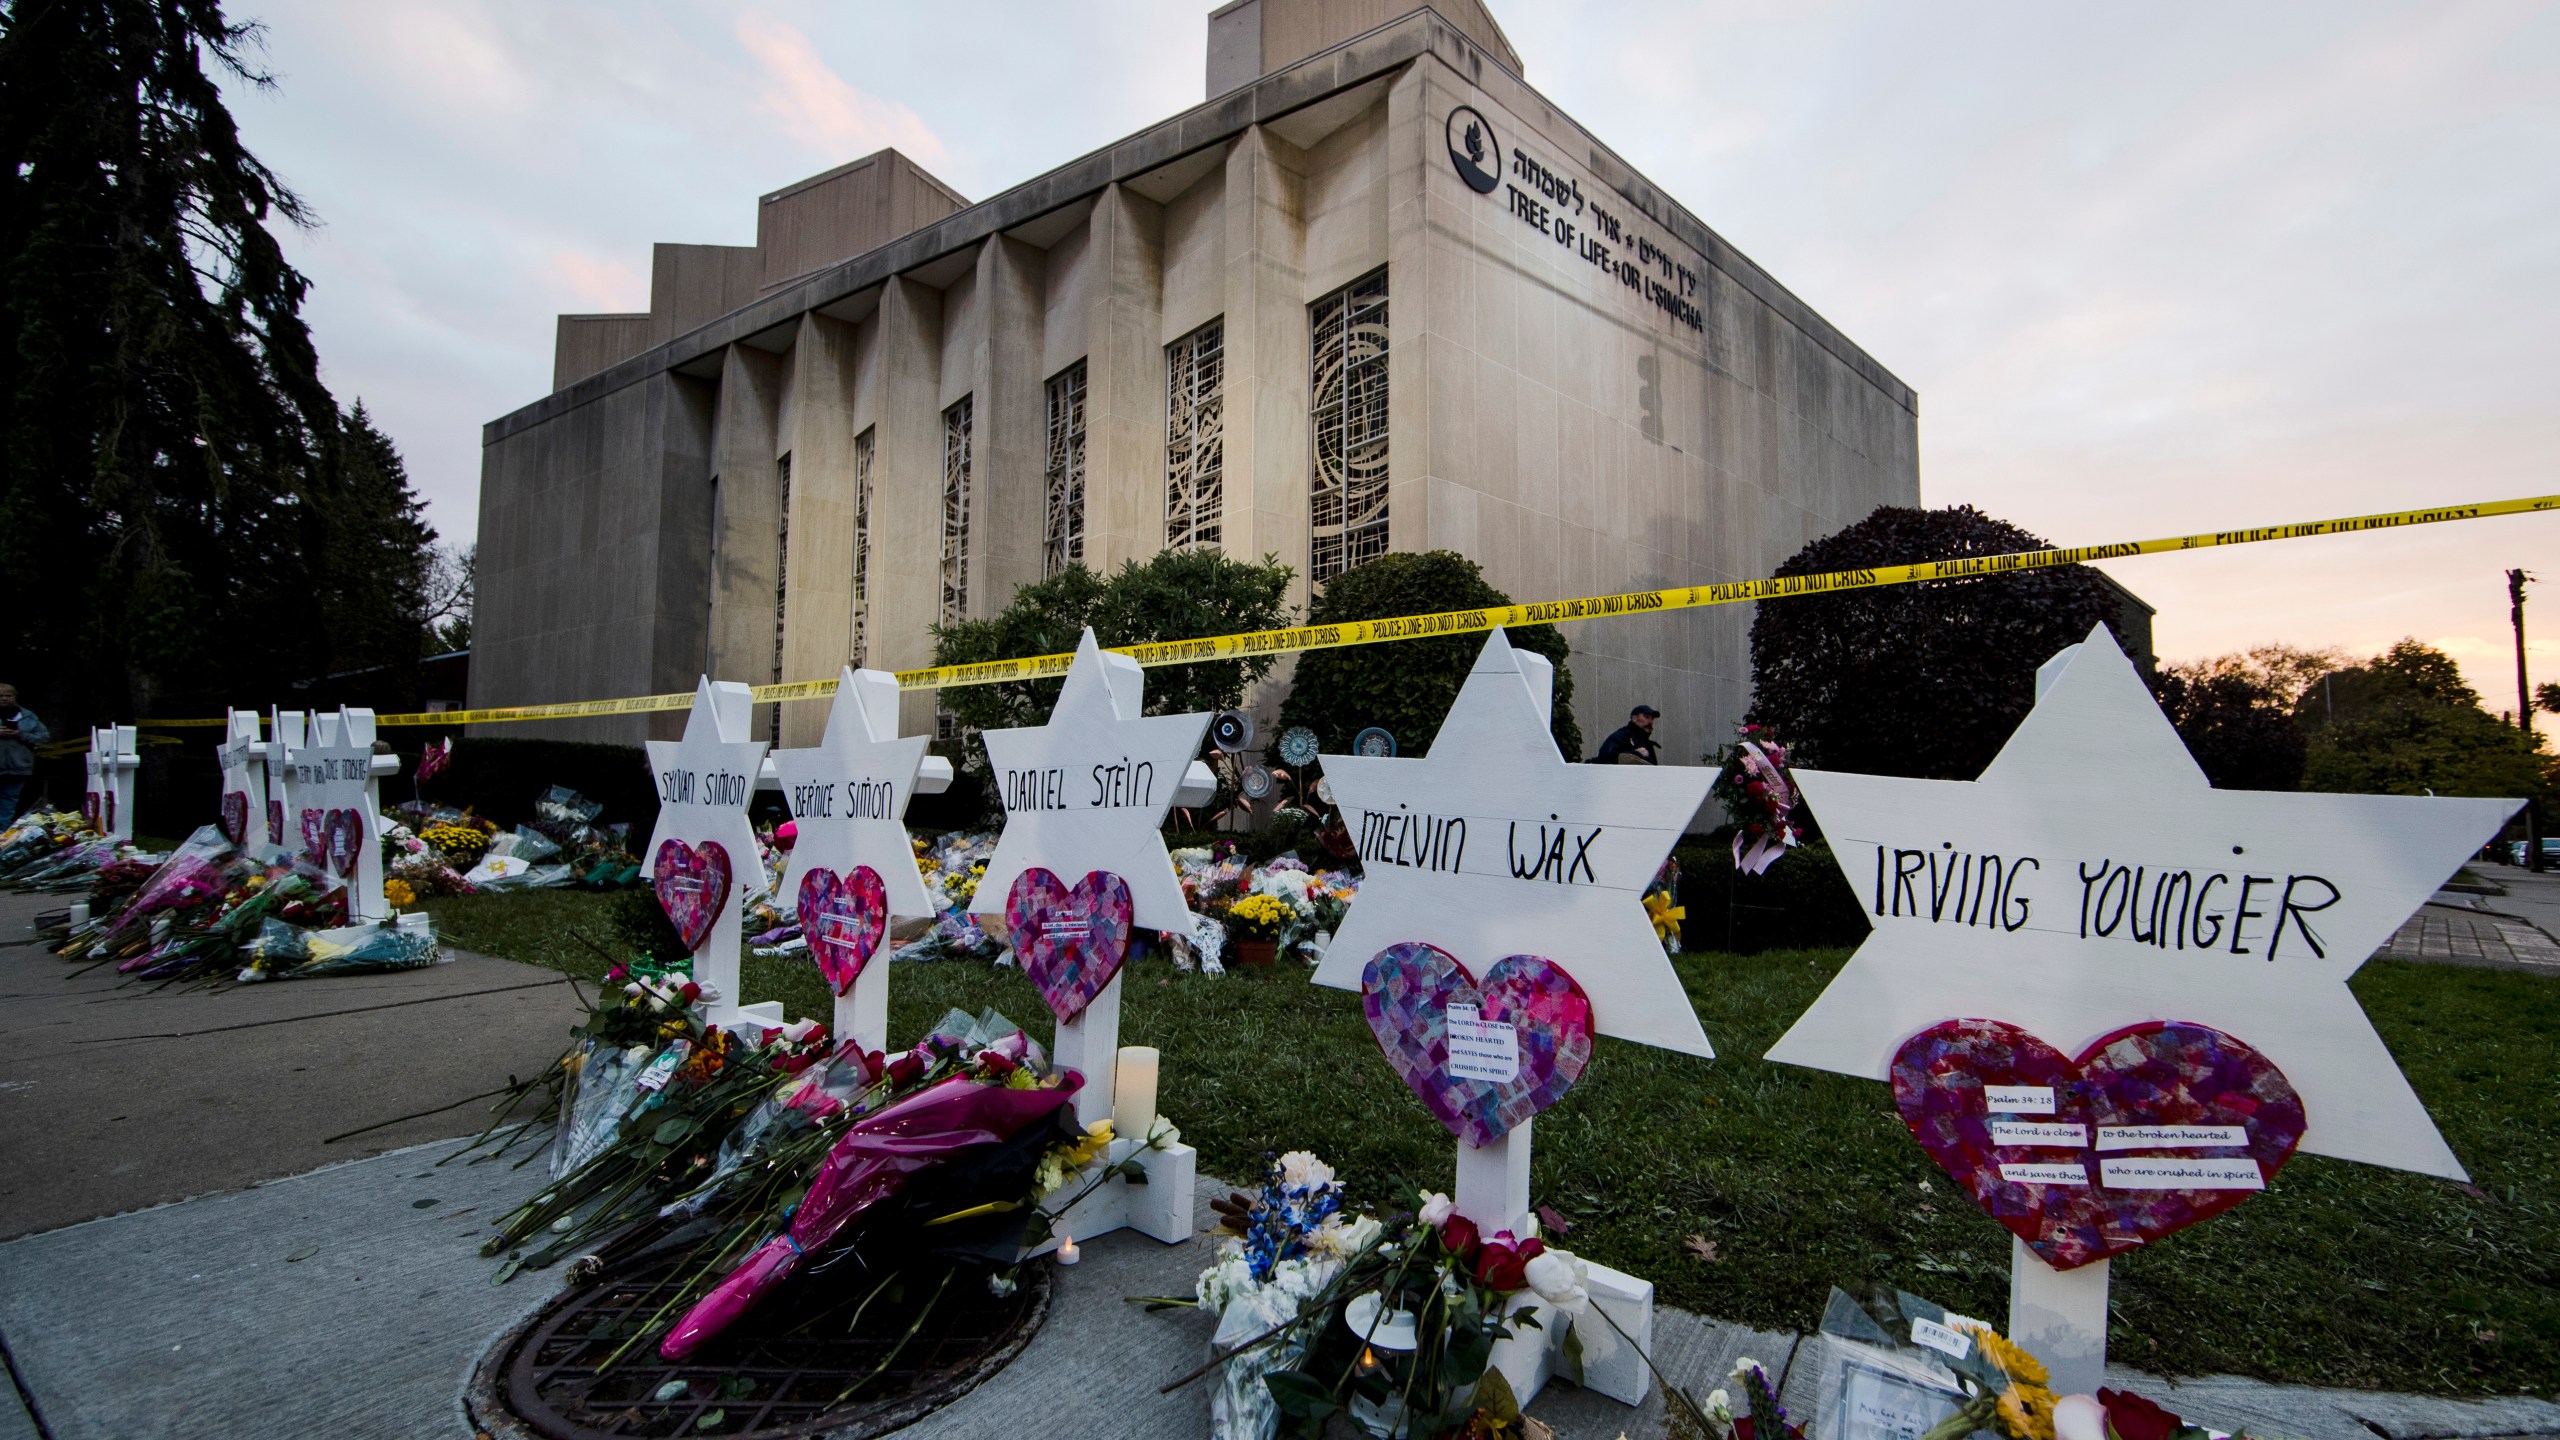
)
(187, 515)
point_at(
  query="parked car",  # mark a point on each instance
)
(2550, 853)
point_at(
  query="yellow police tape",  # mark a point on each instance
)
(1473, 622)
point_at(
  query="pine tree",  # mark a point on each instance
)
(164, 412)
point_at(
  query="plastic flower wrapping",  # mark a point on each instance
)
(1755, 790)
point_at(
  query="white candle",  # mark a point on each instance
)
(1133, 1092)
(1067, 1253)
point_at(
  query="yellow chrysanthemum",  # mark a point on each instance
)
(2026, 1412)
(399, 894)
(2013, 1360)
(1666, 916)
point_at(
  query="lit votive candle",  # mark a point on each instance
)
(1067, 1252)
(1133, 1092)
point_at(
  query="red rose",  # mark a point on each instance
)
(906, 1069)
(994, 1064)
(1458, 1236)
(2130, 1417)
(1505, 1266)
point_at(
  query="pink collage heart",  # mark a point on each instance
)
(1070, 941)
(275, 822)
(2081, 1159)
(235, 816)
(692, 884)
(1531, 1041)
(843, 918)
(346, 840)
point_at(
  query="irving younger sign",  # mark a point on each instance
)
(2166, 906)
(2093, 880)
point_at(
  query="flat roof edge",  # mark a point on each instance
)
(1354, 62)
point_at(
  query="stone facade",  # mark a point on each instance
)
(1431, 291)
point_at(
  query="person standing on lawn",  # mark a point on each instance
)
(1632, 743)
(20, 733)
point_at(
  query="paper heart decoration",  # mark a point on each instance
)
(1070, 941)
(346, 837)
(235, 815)
(315, 837)
(693, 886)
(1535, 1021)
(275, 822)
(2161, 1081)
(843, 918)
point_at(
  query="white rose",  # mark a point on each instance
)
(1301, 1170)
(1561, 1279)
(798, 1030)
(1436, 1209)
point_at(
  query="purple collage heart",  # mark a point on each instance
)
(692, 885)
(2081, 1158)
(235, 816)
(346, 838)
(1070, 941)
(315, 838)
(843, 917)
(1527, 1045)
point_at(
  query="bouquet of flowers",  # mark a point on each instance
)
(1754, 789)
(286, 952)
(35, 836)
(1662, 906)
(1389, 1323)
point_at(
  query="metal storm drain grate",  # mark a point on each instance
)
(796, 1366)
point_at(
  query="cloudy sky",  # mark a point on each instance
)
(2153, 269)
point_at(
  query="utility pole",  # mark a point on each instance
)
(2516, 581)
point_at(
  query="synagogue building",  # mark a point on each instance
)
(1374, 293)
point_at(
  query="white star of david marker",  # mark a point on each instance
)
(1495, 845)
(849, 795)
(705, 781)
(1089, 790)
(2119, 888)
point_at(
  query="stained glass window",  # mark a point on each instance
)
(1195, 437)
(1062, 538)
(1348, 378)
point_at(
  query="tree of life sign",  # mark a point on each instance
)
(2112, 999)
(852, 870)
(702, 840)
(1499, 927)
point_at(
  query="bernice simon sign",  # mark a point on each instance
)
(1540, 197)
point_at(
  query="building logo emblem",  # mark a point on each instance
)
(1474, 151)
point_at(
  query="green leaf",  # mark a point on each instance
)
(672, 1132)
(737, 1387)
(1299, 1395)
(711, 1419)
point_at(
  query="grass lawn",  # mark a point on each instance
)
(2340, 1274)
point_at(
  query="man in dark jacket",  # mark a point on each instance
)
(1631, 743)
(20, 733)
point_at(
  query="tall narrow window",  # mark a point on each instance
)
(862, 450)
(781, 583)
(955, 530)
(1195, 436)
(1062, 538)
(711, 592)
(1348, 377)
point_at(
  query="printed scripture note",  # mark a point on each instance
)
(2145, 1137)
(2044, 1174)
(2039, 1132)
(2163, 1174)
(2018, 1099)
(1481, 1049)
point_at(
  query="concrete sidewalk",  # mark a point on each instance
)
(116, 1096)
(353, 1301)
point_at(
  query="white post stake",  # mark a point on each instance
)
(113, 756)
(336, 818)
(1493, 1182)
(705, 782)
(1088, 791)
(286, 730)
(2060, 1317)
(848, 796)
(243, 758)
